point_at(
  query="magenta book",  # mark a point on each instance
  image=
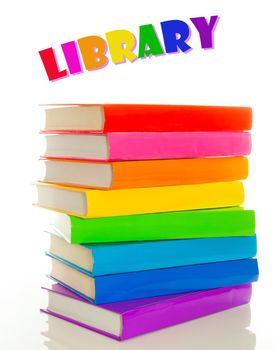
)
(147, 145)
(127, 319)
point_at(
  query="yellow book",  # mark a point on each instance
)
(90, 203)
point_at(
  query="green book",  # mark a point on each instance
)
(228, 222)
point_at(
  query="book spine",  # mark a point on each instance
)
(147, 118)
(183, 309)
(174, 225)
(163, 199)
(126, 257)
(143, 284)
(141, 146)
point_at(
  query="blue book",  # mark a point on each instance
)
(143, 284)
(112, 258)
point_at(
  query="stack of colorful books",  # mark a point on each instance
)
(149, 228)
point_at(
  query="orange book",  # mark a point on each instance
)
(148, 173)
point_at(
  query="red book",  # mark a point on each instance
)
(146, 118)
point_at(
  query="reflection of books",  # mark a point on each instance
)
(222, 331)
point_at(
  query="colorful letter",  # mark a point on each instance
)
(71, 54)
(50, 64)
(93, 50)
(148, 39)
(170, 30)
(205, 30)
(121, 43)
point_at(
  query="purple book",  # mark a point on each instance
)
(127, 319)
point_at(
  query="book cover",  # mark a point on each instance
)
(229, 222)
(150, 314)
(141, 117)
(143, 284)
(147, 145)
(90, 203)
(148, 173)
(115, 258)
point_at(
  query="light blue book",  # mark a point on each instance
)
(114, 258)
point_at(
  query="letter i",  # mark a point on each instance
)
(71, 55)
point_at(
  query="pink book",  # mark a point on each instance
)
(127, 319)
(146, 145)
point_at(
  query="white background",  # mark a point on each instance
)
(239, 71)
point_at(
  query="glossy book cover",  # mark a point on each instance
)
(146, 117)
(90, 203)
(150, 314)
(144, 284)
(227, 222)
(114, 258)
(147, 145)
